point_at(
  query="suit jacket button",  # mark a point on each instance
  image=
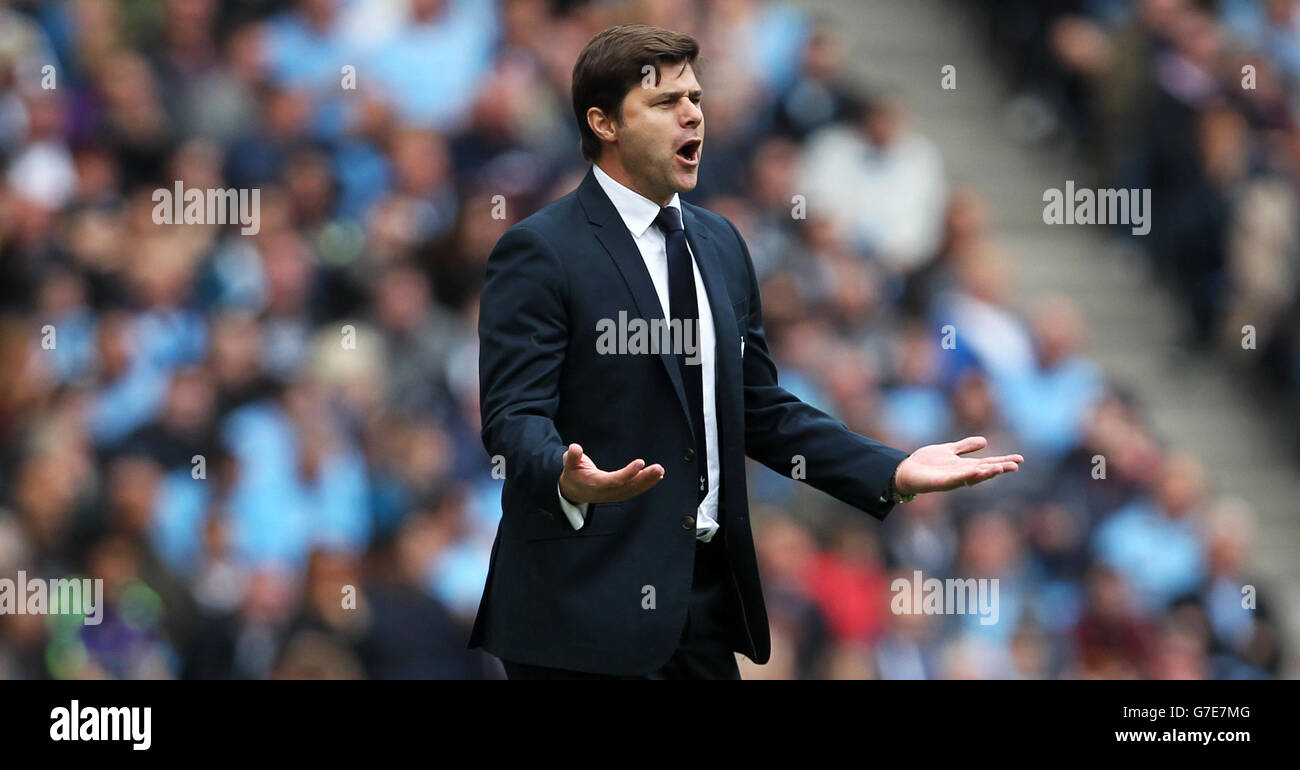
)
(688, 522)
(690, 455)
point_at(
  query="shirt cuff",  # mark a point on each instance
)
(575, 513)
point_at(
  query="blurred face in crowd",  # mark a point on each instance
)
(190, 402)
(990, 546)
(884, 123)
(655, 149)
(1196, 35)
(1108, 595)
(319, 13)
(823, 55)
(1058, 330)
(402, 300)
(423, 11)
(44, 495)
(775, 166)
(236, 349)
(420, 161)
(1183, 486)
(1231, 533)
(132, 486)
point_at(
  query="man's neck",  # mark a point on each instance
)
(619, 174)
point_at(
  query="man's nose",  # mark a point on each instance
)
(692, 116)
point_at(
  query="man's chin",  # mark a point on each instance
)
(685, 182)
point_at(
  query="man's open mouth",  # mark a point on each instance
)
(689, 152)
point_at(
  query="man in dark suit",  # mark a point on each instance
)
(622, 328)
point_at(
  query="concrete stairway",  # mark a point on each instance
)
(1194, 402)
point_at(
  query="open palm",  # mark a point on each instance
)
(940, 467)
(582, 482)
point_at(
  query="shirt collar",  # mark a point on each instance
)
(638, 212)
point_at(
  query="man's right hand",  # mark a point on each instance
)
(582, 482)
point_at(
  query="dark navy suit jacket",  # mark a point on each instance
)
(580, 599)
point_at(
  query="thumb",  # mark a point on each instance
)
(969, 444)
(572, 456)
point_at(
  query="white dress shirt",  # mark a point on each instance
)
(638, 213)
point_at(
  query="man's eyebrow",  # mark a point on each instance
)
(675, 95)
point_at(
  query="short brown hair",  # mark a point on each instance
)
(612, 63)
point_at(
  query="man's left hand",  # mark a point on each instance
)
(940, 467)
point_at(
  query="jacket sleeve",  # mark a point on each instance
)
(523, 332)
(778, 427)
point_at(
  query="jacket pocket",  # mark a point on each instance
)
(602, 519)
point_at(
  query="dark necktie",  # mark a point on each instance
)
(683, 304)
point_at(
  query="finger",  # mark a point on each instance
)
(977, 473)
(998, 467)
(647, 478)
(1002, 460)
(624, 475)
(974, 479)
(643, 480)
(572, 456)
(986, 472)
(969, 444)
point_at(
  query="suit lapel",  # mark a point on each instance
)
(725, 332)
(613, 235)
(724, 322)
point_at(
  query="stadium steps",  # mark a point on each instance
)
(1194, 402)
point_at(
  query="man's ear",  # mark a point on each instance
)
(603, 126)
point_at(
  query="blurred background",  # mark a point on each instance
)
(326, 466)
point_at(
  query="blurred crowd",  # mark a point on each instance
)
(267, 445)
(1198, 101)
